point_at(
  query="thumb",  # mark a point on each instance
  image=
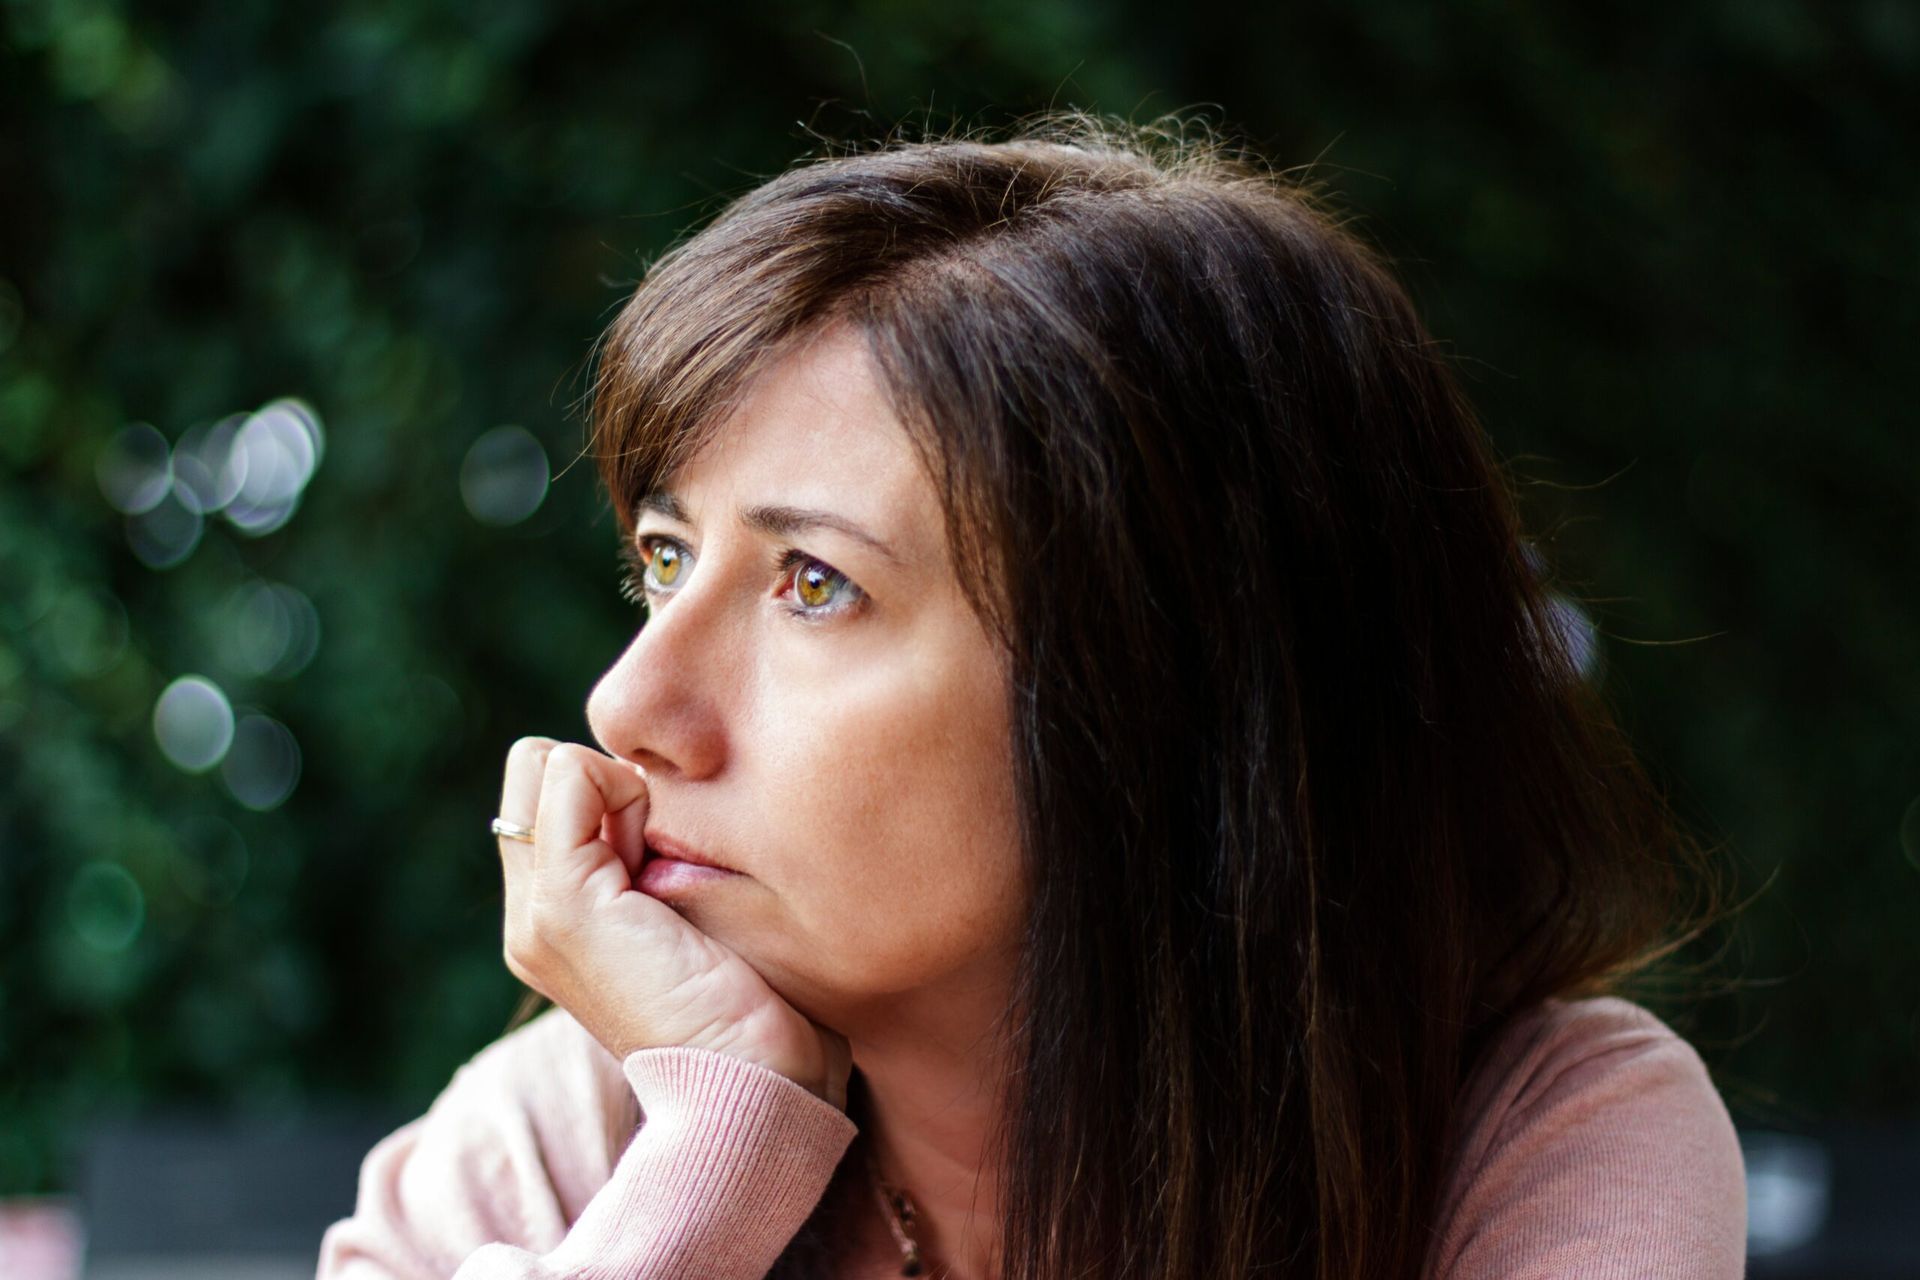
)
(624, 828)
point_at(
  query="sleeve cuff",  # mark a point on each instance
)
(728, 1161)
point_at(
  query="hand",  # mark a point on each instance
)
(629, 968)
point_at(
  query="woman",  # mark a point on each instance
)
(1160, 828)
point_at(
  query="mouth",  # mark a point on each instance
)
(661, 845)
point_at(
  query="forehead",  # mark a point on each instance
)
(815, 429)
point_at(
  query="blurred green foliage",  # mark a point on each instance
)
(1675, 248)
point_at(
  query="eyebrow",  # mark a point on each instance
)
(772, 519)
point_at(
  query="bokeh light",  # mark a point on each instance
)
(263, 763)
(85, 631)
(203, 481)
(32, 586)
(165, 534)
(135, 468)
(105, 906)
(1789, 1185)
(504, 477)
(272, 458)
(268, 629)
(193, 722)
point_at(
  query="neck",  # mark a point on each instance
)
(931, 1079)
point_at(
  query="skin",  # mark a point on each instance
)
(853, 767)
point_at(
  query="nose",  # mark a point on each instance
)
(655, 705)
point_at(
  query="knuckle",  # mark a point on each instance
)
(540, 935)
(529, 750)
(570, 754)
(523, 952)
(514, 966)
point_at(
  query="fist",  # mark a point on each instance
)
(629, 968)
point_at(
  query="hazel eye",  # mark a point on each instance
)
(814, 585)
(820, 591)
(651, 567)
(663, 558)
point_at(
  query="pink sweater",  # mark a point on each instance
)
(1596, 1147)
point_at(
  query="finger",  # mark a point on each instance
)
(520, 786)
(580, 791)
(625, 832)
(520, 798)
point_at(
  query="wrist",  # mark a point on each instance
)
(823, 1073)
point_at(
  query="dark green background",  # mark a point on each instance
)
(1673, 246)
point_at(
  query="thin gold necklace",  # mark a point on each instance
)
(897, 1207)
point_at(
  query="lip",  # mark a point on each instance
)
(665, 846)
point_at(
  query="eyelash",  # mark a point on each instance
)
(634, 588)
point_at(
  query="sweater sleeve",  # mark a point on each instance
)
(1603, 1152)
(545, 1157)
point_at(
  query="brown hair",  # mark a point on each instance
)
(1315, 794)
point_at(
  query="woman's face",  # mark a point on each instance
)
(852, 764)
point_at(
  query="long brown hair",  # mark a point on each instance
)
(1315, 792)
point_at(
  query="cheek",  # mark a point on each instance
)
(900, 807)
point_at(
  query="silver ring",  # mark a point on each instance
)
(512, 830)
